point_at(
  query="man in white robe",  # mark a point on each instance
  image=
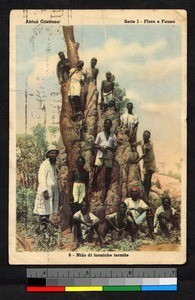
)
(47, 198)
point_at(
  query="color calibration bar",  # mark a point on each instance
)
(101, 280)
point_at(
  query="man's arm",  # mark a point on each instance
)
(71, 187)
(102, 90)
(121, 122)
(96, 74)
(141, 157)
(57, 71)
(136, 144)
(112, 87)
(114, 148)
(87, 181)
(76, 218)
(115, 227)
(143, 207)
(134, 130)
(97, 142)
(84, 74)
(42, 177)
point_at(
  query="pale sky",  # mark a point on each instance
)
(146, 62)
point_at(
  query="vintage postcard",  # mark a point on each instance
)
(97, 137)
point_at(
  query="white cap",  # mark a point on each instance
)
(52, 148)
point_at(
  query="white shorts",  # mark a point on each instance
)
(79, 191)
(107, 98)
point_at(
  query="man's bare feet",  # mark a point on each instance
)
(153, 235)
(76, 245)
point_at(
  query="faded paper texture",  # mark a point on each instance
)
(145, 51)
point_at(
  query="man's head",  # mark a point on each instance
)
(166, 202)
(129, 107)
(61, 55)
(52, 153)
(135, 193)
(107, 124)
(80, 162)
(93, 62)
(84, 206)
(146, 136)
(80, 64)
(108, 76)
(112, 103)
(122, 208)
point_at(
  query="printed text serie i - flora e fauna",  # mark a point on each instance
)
(148, 21)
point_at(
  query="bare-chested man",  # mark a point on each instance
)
(107, 90)
(120, 221)
(79, 184)
(149, 164)
(63, 68)
(92, 72)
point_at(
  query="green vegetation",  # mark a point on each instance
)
(120, 98)
(30, 151)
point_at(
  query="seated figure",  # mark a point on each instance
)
(166, 217)
(84, 225)
(120, 221)
(139, 210)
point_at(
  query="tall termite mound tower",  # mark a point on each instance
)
(78, 138)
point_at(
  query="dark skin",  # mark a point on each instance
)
(52, 155)
(130, 112)
(80, 167)
(80, 65)
(75, 100)
(166, 203)
(146, 138)
(95, 71)
(122, 212)
(168, 217)
(63, 68)
(130, 108)
(148, 175)
(107, 85)
(107, 127)
(84, 211)
(121, 225)
(135, 196)
(93, 63)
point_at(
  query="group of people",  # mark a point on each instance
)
(133, 211)
(78, 77)
(131, 214)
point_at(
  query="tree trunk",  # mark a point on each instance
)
(78, 136)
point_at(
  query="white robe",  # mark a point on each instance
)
(47, 178)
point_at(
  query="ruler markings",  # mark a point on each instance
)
(41, 273)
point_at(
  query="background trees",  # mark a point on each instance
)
(30, 152)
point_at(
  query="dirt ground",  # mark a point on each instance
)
(115, 243)
(162, 247)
